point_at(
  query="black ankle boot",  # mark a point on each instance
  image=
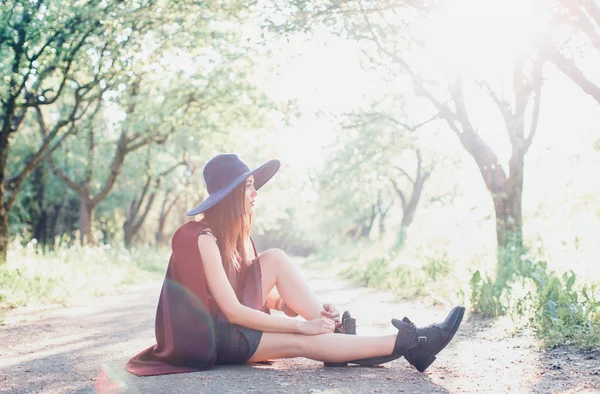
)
(419, 345)
(348, 327)
(431, 339)
(406, 340)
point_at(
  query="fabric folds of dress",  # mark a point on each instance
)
(186, 318)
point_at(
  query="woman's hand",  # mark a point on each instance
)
(331, 313)
(318, 326)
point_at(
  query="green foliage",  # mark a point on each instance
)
(486, 295)
(35, 276)
(177, 75)
(406, 281)
(558, 310)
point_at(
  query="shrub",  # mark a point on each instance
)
(558, 310)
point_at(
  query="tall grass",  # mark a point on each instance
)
(33, 276)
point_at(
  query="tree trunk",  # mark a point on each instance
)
(86, 218)
(53, 224)
(402, 233)
(164, 214)
(365, 231)
(160, 231)
(128, 233)
(133, 223)
(40, 231)
(40, 226)
(3, 230)
(4, 236)
(509, 219)
(409, 206)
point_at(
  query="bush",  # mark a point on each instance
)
(558, 310)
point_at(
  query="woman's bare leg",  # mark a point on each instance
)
(326, 347)
(278, 270)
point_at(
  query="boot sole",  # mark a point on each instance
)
(371, 362)
(335, 365)
(422, 364)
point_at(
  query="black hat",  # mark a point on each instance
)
(225, 172)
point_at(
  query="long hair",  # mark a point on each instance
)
(231, 225)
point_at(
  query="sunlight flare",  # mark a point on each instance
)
(483, 33)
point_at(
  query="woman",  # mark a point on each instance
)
(215, 300)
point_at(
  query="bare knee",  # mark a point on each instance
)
(298, 345)
(274, 254)
(271, 262)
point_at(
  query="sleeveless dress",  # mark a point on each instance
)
(192, 334)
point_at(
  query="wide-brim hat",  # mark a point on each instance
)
(225, 172)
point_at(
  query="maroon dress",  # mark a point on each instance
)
(192, 334)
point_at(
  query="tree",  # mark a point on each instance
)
(383, 29)
(63, 59)
(44, 47)
(134, 135)
(136, 216)
(374, 161)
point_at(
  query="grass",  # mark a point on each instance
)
(430, 276)
(34, 277)
(560, 307)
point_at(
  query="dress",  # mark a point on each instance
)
(191, 332)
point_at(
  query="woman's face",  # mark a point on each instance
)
(250, 194)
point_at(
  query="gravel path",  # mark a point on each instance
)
(84, 348)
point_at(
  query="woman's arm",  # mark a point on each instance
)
(225, 297)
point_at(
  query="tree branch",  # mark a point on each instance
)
(593, 10)
(115, 169)
(537, 89)
(583, 21)
(16, 181)
(400, 194)
(568, 67)
(503, 105)
(411, 180)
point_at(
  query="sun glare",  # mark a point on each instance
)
(468, 34)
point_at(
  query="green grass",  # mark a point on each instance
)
(559, 307)
(33, 277)
(431, 276)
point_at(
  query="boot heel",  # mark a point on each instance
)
(422, 365)
(335, 365)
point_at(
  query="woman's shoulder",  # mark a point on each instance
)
(190, 230)
(207, 231)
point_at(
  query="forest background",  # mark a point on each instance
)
(446, 150)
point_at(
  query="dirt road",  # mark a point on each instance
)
(84, 349)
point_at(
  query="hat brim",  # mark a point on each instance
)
(261, 174)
